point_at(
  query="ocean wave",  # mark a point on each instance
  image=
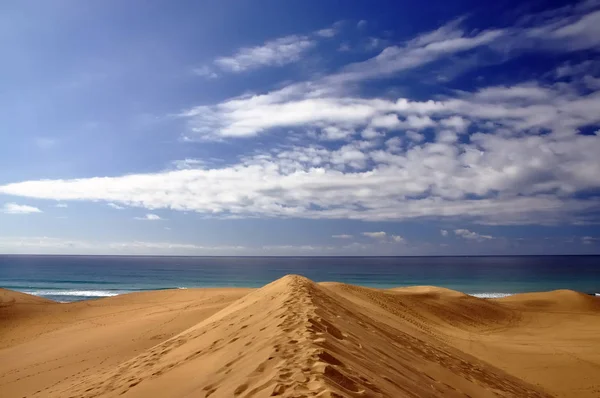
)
(78, 293)
(490, 295)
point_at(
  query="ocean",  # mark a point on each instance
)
(72, 278)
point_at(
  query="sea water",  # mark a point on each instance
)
(72, 278)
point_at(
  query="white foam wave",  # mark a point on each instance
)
(491, 295)
(80, 293)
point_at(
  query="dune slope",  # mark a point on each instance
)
(549, 339)
(45, 344)
(293, 338)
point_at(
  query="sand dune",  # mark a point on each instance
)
(295, 338)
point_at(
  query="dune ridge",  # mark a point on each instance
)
(296, 338)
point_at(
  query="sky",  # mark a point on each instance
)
(308, 127)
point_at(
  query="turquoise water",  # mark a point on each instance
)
(71, 278)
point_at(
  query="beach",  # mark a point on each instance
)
(294, 337)
(75, 278)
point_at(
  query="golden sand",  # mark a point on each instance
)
(296, 338)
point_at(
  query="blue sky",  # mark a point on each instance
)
(300, 127)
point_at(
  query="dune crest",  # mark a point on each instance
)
(294, 338)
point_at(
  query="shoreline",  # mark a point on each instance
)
(84, 295)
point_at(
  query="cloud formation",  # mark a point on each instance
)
(46, 245)
(149, 217)
(538, 176)
(14, 208)
(206, 72)
(278, 52)
(397, 239)
(520, 153)
(342, 236)
(375, 235)
(589, 240)
(470, 235)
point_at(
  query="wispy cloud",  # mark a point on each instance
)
(149, 217)
(115, 206)
(370, 181)
(205, 71)
(61, 205)
(189, 163)
(278, 52)
(46, 244)
(470, 235)
(343, 236)
(13, 208)
(444, 232)
(326, 101)
(501, 154)
(375, 235)
(328, 32)
(425, 49)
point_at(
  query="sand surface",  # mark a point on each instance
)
(296, 338)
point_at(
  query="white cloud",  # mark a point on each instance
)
(526, 163)
(343, 236)
(397, 239)
(375, 235)
(188, 163)
(537, 175)
(319, 104)
(361, 24)
(374, 43)
(371, 133)
(61, 205)
(13, 208)
(329, 32)
(469, 235)
(205, 71)
(389, 121)
(328, 101)
(446, 136)
(334, 133)
(278, 52)
(589, 240)
(61, 245)
(571, 32)
(444, 232)
(115, 206)
(417, 52)
(457, 123)
(593, 83)
(149, 217)
(414, 136)
(394, 144)
(344, 47)
(580, 69)
(52, 245)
